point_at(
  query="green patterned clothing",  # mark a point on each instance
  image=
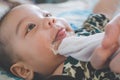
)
(84, 71)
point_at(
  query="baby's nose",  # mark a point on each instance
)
(49, 22)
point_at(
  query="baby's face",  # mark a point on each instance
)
(31, 33)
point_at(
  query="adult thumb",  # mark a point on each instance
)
(111, 36)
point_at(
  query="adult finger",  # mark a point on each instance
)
(112, 32)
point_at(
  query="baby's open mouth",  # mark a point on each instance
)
(61, 34)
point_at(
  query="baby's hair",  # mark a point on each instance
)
(61, 77)
(5, 7)
(38, 76)
(6, 59)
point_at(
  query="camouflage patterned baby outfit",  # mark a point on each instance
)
(95, 23)
(83, 70)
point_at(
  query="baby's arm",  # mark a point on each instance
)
(108, 46)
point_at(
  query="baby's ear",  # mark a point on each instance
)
(22, 70)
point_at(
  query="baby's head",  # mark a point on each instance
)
(27, 35)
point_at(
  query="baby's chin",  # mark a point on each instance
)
(55, 46)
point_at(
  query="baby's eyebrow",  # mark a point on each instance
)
(46, 12)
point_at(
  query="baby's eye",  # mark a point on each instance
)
(30, 27)
(48, 15)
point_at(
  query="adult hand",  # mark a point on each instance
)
(108, 46)
(112, 33)
(112, 40)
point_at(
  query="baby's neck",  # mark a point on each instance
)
(59, 70)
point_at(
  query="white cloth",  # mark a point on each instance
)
(81, 47)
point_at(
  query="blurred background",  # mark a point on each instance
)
(48, 1)
(74, 11)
